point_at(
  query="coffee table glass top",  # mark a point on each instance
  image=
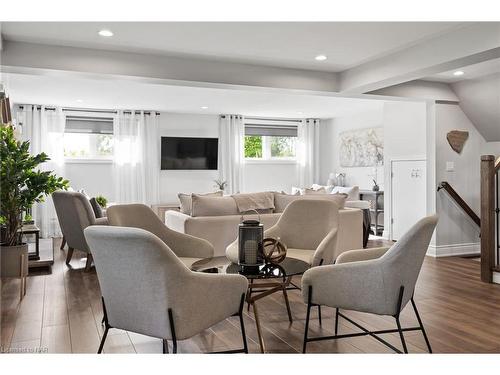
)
(289, 267)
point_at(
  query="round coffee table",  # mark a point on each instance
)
(278, 278)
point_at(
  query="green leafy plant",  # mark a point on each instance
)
(101, 201)
(253, 146)
(20, 184)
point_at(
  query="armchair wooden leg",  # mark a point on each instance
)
(63, 243)
(106, 327)
(165, 346)
(319, 315)
(69, 255)
(88, 264)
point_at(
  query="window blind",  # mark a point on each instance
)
(91, 125)
(271, 127)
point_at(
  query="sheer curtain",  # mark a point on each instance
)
(231, 157)
(44, 128)
(308, 152)
(136, 157)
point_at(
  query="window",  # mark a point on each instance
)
(270, 139)
(88, 138)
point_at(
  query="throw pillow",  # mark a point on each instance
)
(312, 191)
(186, 200)
(297, 191)
(283, 200)
(203, 205)
(351, 191)
(328, 188)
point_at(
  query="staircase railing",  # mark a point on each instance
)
(490, 211)
(458, 199)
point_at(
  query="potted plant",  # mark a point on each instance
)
(21, 185)
(101, 201)
(220, 184)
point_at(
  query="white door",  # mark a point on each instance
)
(408, 203)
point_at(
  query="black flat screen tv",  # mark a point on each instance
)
(189, 153)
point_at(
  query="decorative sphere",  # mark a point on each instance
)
(274, 251)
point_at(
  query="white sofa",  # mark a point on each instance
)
(220, 231)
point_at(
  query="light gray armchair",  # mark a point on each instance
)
(379, 281)
(146, 288)
(309, 230)
(188, 248)
(75, 213)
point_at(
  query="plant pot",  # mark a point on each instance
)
(14, 260)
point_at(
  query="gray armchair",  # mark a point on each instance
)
(379, 281)
(75, 213)
(188, 248)
(309, 230)
(147, 289)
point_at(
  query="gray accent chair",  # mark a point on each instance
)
(75, 213)
(309, 230)
(146, 288)
(188, 248)
(378, 281)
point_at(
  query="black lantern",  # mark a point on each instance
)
(250, 239)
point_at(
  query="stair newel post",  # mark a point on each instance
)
(487, 217)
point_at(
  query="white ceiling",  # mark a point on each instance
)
(474, 71)
(283, 44)
(69, 91)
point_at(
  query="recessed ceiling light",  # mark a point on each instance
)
(320, 58)
(458, 73)
(106, 33)
(300, 112)
(204, 107)
(79, 100)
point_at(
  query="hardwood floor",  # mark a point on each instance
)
(62, 313)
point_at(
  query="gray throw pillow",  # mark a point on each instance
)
(203, 205)
(186, 200)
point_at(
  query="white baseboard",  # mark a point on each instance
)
(496, 277)
(454, 250)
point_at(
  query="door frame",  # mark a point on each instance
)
(391, 196)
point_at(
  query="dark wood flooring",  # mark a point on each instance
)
(61, 313)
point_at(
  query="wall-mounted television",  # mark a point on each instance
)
(189, 153)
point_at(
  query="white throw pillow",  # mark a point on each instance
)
(351, 191)
(321, 190)
(297, 191)
(328, 188)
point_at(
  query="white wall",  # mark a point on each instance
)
(330, 143)
(405, 126)
(270, 176)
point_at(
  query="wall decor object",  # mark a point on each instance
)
(362, 147)
(457, 139)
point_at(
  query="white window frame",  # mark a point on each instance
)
(93, 159)
(266, 145)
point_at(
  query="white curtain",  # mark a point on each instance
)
(44, 128)
(308, 152)
(136, 157)
(231, 157)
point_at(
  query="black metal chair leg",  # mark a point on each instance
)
(99, 351)
(309, 298)
(405, 349)
(165, 346)
(319, 315)
(172, 330)
(336, 321)
(421, 325)
(242, 325)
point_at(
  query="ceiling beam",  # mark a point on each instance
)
(464, 46)
(20, 56)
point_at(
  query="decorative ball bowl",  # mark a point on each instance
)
(274, 251)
